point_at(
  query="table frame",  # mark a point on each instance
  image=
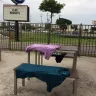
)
(39, 57)
(74, 74)
(39, 60)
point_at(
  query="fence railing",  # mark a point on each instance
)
(82, 36)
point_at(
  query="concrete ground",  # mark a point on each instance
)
(86, 83)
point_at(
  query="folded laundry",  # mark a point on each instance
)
(53, 76)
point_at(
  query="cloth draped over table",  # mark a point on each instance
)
(47, 50)
(53, 76)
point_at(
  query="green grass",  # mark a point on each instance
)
(56, 39)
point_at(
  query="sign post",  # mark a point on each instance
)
(16, 13)
(16, 30)
(16, 22)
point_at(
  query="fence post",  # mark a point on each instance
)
(79, 40)
(9, 45)
(49, 33)
(20, 32)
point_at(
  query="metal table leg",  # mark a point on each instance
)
(15, 83)
(74, 61)
(23, 80)
(36, 57)
(29, 57)
(39, 58)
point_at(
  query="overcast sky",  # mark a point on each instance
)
(78, 11)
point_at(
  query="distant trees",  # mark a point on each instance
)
(62, 22)
(51, 6)
(75, 27)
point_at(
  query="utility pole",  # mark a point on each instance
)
(47, 18)
(41, 18)
(59, 16)
(16, 30)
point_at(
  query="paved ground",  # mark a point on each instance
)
(86, 67)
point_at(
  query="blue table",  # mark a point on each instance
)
(53, 76)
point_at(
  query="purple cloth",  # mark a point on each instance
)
(48, 50)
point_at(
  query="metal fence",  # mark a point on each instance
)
(82, 36)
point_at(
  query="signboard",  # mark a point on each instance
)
(15, 12)
(17, 1)
(94, 22)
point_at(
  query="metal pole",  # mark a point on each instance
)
(59, 16)
(41, 18)
(9, 44)
(16, 30)
(79, 41)
(15, 83)
(23, 80)
(36, 57)
(47, 18)
(28, 57)
(74, 62)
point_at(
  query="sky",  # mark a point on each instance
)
(78, 11)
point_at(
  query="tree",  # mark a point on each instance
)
(75, 27)
(62, 22)
(51, 6)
